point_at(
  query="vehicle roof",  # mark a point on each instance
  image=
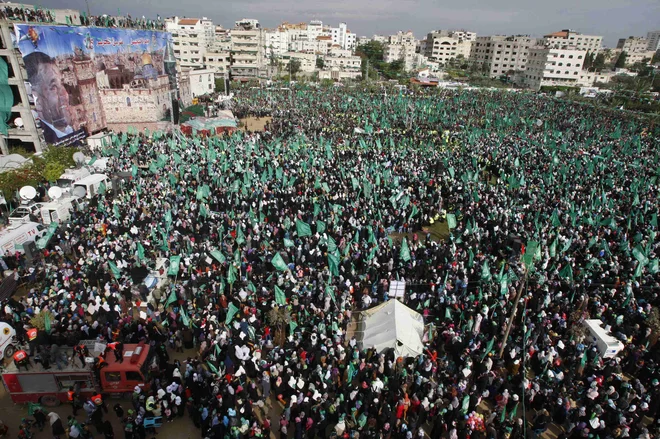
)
(113, 366)
(91, 179)
(15, 230)
(59, 202)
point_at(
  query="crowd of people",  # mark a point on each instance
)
(486, 204)
(43, 15)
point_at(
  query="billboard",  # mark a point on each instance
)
(85, 79)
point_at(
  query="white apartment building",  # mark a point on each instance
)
(499, 55)
(380, 38)
(335, 61)
(276, 42)
(402, 46)
(653, 39)
(321, 45)
(636, 49)
(191, 37)
(571, 39)
(551, 66)
(247, 48)
(343, 37)
(218, 61)
(202, 81)
(442, 45)
(307, 61)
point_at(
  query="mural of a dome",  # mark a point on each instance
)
(146, 59)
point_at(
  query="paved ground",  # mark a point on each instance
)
(254, 124)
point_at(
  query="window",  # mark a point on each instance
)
(570, 56)
(128, 101)
(133, 376)
(113, 376)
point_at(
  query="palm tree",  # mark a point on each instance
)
(279, 318)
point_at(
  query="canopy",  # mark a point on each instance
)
(392, 325)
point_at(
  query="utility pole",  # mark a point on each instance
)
(367, 79)
(514, 311)
(88, 13)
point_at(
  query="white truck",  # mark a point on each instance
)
(608, 346)
(91, 185)
(8, 340)
(13, 237)
(25, 213)
(58, 210)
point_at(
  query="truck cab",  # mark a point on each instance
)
(123, 377)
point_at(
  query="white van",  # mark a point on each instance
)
(91, 184)
(24, 213)
(13, 237)
(608, 346)
(58, 210)
(72, 176)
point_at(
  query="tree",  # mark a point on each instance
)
(279, 318)
(373, 51)
(588, 61)
(621, 61)
(320, 63)
(599, 62)
(294, 67)
(219, 85)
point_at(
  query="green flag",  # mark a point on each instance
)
(333, 264)
(115, 270)
(320, 227)
(485, 272)
(279, 263)
(140, 252)
(330, 292)
(174, 265)
(231, 274)
(280, 297)
(217, 254)
(405, 251)
(231, 312)
(288, 243)
(171, 298)
(451, 221)
(292, 326)
(303, 229)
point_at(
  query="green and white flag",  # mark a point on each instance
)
(405, 251)
(231, 312)
(280, 297)
(174, 265)
(303, 229)
(279, 263)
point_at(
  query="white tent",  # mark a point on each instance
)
(392, 325)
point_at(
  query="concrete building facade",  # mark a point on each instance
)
(653, 39)
(551, 66)
(572, 39)
(499, 55)
(192, 37)
(247, 47)
(636, 49)
(442, 46)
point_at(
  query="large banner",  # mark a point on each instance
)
(84, 79)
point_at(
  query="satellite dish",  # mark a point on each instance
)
(55, 192)
(79, 191)
(27, 193)
(79, 158)
(18, 122)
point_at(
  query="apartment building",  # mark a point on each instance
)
(307, 61)
(343, 37)
(653, 39)
(500, 55)
(402, 46)
(571, 39)
(552, 66)
(442, 45)
(191, 37)
(247, 47)
(636, 49)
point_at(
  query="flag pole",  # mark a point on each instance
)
(514, 311)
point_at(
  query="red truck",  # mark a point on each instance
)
(49, 386)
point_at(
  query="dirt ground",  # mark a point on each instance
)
(438, 230)
(254, 123)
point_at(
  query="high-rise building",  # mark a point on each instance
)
(552, 66)
(247, 47)
(571, 39)
(636, 49)
(402, 46)
(343, 37)
(653, 39)
(443, 45)
(192, 38)
(501, 55)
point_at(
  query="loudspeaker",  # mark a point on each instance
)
(30, 249)
(175, 111)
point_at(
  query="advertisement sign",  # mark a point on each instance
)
(85, 79)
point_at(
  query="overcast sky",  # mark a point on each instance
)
(613, 19)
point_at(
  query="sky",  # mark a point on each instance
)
(613, 19)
